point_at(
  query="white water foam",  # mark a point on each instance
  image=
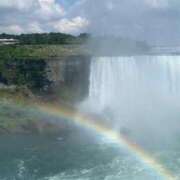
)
(137, 93)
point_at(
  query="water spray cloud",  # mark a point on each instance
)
(87, 122)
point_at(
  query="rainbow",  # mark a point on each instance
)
(121, 140)
(88, 122)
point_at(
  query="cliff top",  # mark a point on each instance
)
(41, 51)
(49, 46)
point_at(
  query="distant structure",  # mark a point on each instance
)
(8, 41)
(166, 49)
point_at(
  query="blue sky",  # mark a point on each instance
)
(155, 21)
(67, 3)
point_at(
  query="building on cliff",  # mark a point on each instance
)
(8, 41)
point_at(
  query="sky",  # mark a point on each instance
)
(154, 21)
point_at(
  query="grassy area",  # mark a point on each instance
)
(41, 51)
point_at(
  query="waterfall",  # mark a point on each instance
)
(113, 77)
(136, 90)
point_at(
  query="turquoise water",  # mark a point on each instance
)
(137, 96)
(79, 155)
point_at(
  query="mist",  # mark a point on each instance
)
(153, 21)
(137, 96)
(95, 97)
(133, 89)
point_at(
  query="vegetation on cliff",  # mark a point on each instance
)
(56, 45)
(24, 73)
(47, 38)
(31, 79)
(46, 52)
(44, 46)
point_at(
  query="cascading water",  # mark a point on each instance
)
(138, 96)
(139, 92)
(116, 75)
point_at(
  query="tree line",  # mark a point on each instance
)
(47, 38)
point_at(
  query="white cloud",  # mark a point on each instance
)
(17, 4)
(42, 8)
(26, 16)
(158, 3)
(74, 25)
(151, 20)
(49, 9)
(155, 21)
(12, 29)
(18, 29)
(33, 27)
(110, 5)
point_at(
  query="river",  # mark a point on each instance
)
(136, 96)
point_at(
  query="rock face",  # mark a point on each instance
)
(70, 77)
(66, 77)
(64, 80)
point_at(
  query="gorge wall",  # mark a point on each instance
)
(66, 78)
(69, 77)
